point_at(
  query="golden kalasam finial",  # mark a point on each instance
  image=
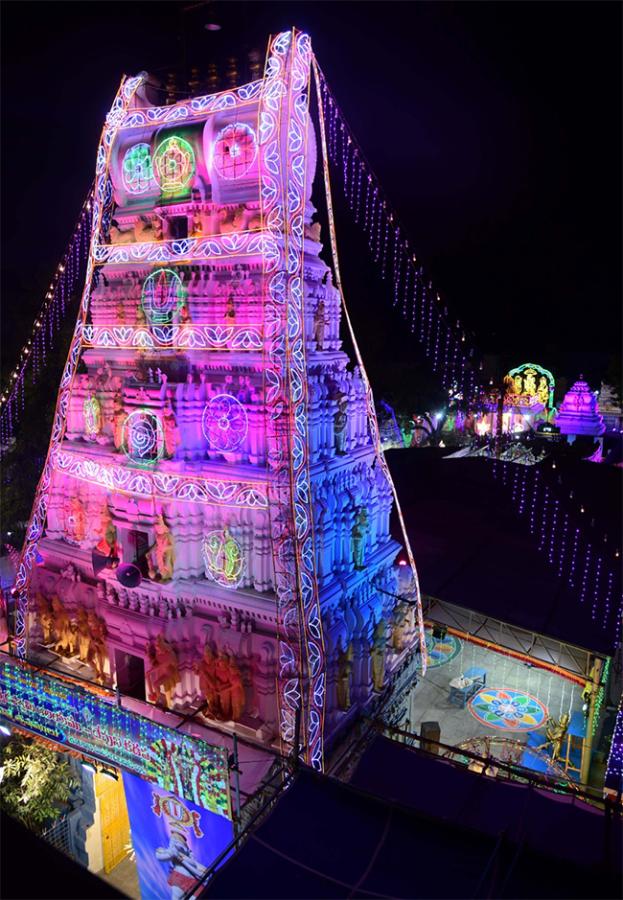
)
(194, 82)
(232, 72)
(255, 64)
(171, 88)
(213, 79)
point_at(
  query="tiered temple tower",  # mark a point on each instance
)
(212, 527)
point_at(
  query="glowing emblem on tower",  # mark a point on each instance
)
(224, 423)
(163, 295)
(235, 149)
(174, 165)
(223, 558)
(137, 170)
(143, 437)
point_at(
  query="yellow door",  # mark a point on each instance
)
(115, 825)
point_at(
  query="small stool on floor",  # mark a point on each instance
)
(460, 692)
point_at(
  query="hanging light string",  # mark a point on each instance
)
(47, 323)
(559, 534)
(443, 342)
(371, 414)
(614, 766)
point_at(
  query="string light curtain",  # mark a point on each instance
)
(443, 341)
(592, 574)
(68, 275)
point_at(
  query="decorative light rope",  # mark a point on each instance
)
(371, 413)
(443, 342)
(614, 766)
(33, 355)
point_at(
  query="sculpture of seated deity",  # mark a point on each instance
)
(164, 670)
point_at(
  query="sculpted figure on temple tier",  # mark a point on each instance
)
(230, 310)
(83, 634)
(402, 625)
(117, 420)
(107, 544)
(377, 654)
(238, 697)
(340, 421)
(164, 672)
(171, 431)
(197, 229)
(344, 670)
(358, 537)
(62, 626)
(76, 520)
(206, 669)
(161, 556)
(224, 685)
(319, 324)
(46, 618)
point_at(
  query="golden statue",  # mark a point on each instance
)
(197, 229)
(107, 544)
(46, 618)
(238, 695)
(518, 384)
(62, 627)
(161, 555)
(164, 672)
(83, 634)
(206, 669)
(97, 644)
(542, 392)
(555, 733)
(377, 654)
(344, 670)
(222, 673)
(530, 383)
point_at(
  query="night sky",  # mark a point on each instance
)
(494, 127)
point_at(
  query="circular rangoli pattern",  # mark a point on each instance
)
(507, 709)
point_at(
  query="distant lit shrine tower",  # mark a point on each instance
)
(212, 526)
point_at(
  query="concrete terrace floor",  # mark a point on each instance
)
(429, 698)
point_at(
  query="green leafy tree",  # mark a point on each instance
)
(36, 783)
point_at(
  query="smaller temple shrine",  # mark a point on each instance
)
(579, 412)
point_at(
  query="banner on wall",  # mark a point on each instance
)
(174, 840)
(69, 715)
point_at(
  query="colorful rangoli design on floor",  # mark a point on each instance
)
(507, 710)
(441, 651)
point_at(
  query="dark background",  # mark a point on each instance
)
(495, 129)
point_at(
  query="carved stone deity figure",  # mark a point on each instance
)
(340, 421)
(161, 557)
(312, 231)
(518, 384)
(171, 431)
(319, 324)
(530, 384)
(83, 634)
(197, 227)
(140, 318)
(344, 670)
(107, 544)
(402, 625)
(62, 626)
(164, 671)
(117, 420)
(377, 654)
(358, 537)
(208, 684)
(46, 618)
(230, 309)
(92, 411)
(76, 520)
